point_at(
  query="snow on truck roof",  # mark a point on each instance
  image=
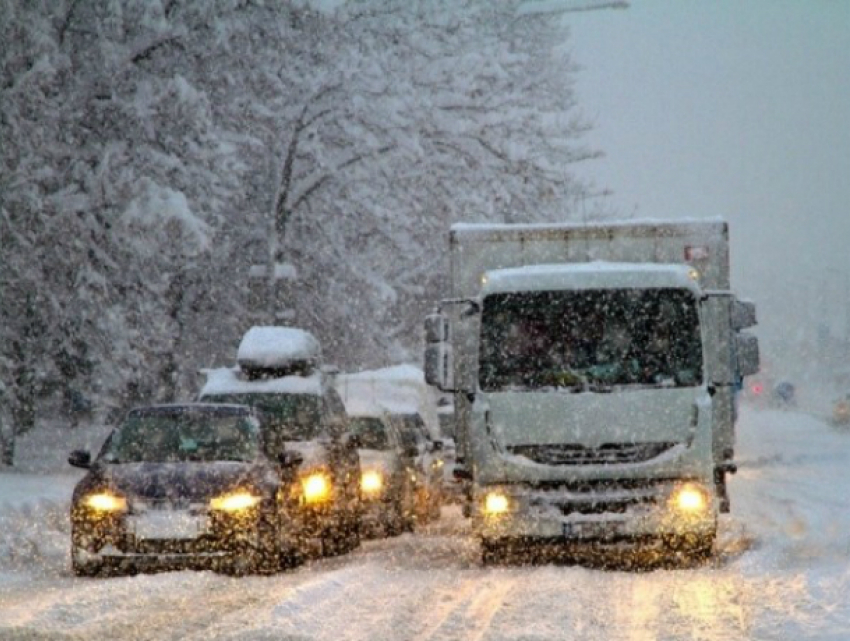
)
(593, 275)
(227, 380)
(271, 347)
(640, 226)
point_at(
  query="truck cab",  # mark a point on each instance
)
(594, 377)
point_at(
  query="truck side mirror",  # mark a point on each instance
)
(436, 328)
(743, 314)
(439, 366)
(747, 349)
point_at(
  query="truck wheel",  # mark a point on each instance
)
(493, 552)
(694, 548)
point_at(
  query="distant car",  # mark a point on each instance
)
(783, 395)
(427, 463)
(186, 485)
(841, 411)
(453, 489)
(387, 486)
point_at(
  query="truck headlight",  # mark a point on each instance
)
(690, 498)
(495, 503)
(317, 487)
(372, 482)
(234, 502)
(105, 502)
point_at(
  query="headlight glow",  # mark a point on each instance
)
(690, 499)
(234, 502)
(105, 502)
(372, 482)
(495, 503)
(317, 487)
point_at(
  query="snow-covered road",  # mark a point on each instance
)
(782, 572)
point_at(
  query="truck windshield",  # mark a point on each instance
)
(590, 339)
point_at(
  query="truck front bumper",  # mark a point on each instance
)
(610, 511)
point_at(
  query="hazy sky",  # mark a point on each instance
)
(738, 109)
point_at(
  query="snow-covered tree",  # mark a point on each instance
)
(152, 152)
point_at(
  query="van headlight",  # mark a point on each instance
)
(234, 502)
(372, 482)
(316, 487)
(495, 503)
(690, 498)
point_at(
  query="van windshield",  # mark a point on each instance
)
(372, 432)
(288, 417)
(590, 339)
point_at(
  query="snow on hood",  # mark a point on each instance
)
(277, 346)
(227, 380)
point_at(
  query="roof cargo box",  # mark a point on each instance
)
(278, 351)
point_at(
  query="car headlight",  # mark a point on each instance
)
(690, 499)
(105, 502)
(234, 502)
(495, 503)
(372, 482)
(317, 487)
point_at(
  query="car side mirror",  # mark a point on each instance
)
(80, 458)
(410, 451)
(460, 473)
(290, 458)
(353, 440)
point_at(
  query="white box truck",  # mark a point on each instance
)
(594, 370)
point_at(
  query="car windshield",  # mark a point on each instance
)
(288, 417)
(371, 431)
(184, 436)
(590, 339)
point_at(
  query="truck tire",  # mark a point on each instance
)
(494, 552)
(694, 548)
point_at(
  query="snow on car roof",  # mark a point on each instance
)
(226, 380)
(277, 346)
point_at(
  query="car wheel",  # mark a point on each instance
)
(81, 567)
(263, 558)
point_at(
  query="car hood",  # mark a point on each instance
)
(194, 481)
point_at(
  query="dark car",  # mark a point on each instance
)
(184, 486)
(388, 483)
(426, 463)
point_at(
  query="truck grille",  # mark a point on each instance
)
(606, 454)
